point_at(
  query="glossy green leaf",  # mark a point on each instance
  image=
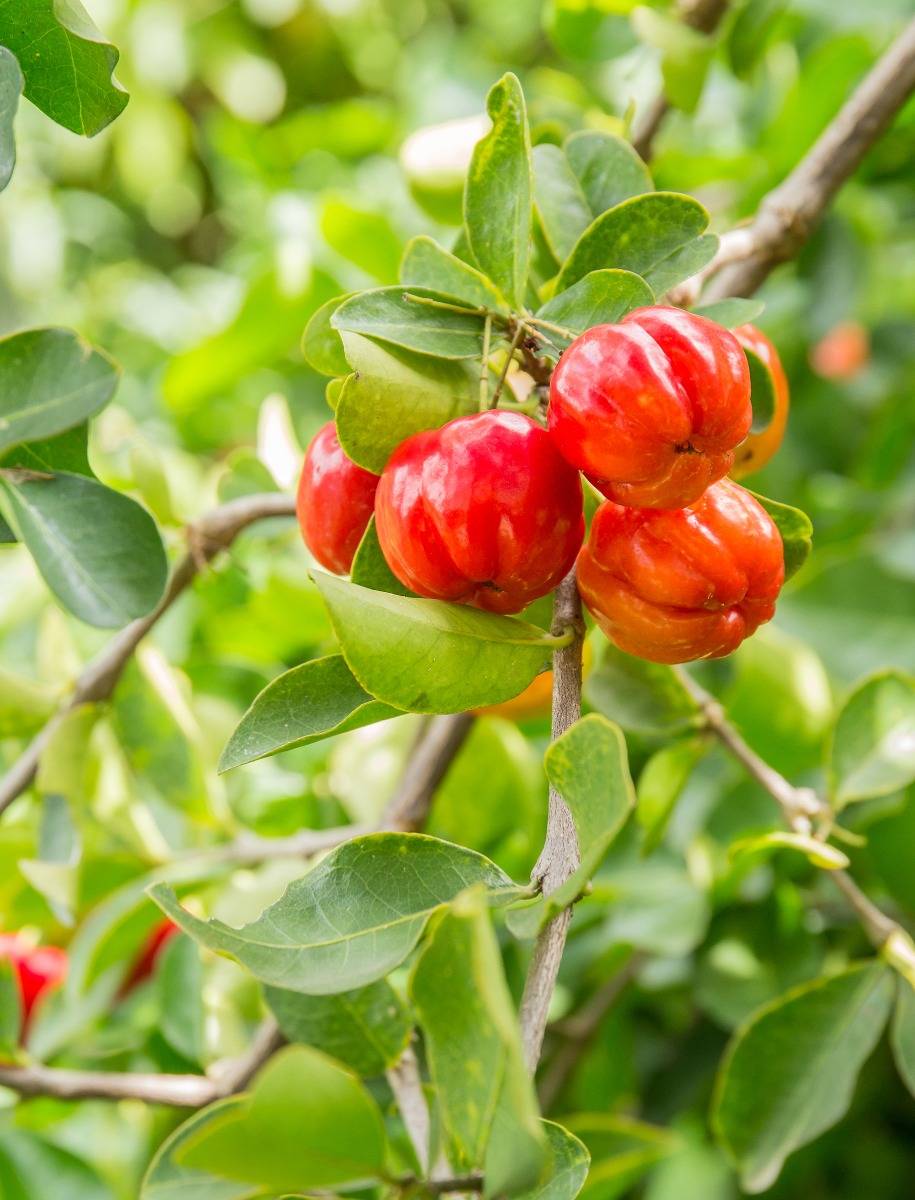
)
(485, 1095)
(10, 1012)
(731, 312)
(660, 785)
(902, 1032)
(307, 1124)
(428, 265)
(395, 393)
(402, 317)
(498, 194)
(681, 264)
(790, 1072)
(429, 656)
(622, 1151)
(607, 168)
(370, 568)
(10, 90)
(50, 380)
(685, 54)
(66, 62)
(366, 1029)
(98, 551)
(641, 696)
(796, 531)
(316, 700)
(180, 982)
(322, 345)
(602, 297)
(562, 208)
(636, 235)
(320, 938)
(762, 391)
(873, 746)
(168, 1179)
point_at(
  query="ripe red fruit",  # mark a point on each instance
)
(334, 502)
(676, 585)
(149, 955)
(38, 969)
(482, 511)
(651, 409)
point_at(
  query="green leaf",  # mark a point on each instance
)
(50, 380)
(32, 1168)
(367, 1029)
(306, 1125)
(320, 938)
(370, 567)
(363, 237)
(10, 90)
(682, 264)
(167, 1179)
(790, 1072)
(686, 54)
(762, 391)
(395, 393)
(731, 312)
(872, 752)
(602, 297)
(66, 63)
(322, 346)
(651, 904)
(608, 169)
(636, 235)
(427, 265)
(660, 785)
(99, 552)
(644, 697)
(796, 531)
(430, 656)
(399, 317)
(10, 1012)
(498, 194)
(179, 980)
(485, 1095)
(820, 854)
(748, 38)
(316, 700)
(622, 1151)
(66, 452)
(567, 1166)
(902, 1033)
(563, 211)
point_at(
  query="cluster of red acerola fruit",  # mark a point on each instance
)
(680, 563)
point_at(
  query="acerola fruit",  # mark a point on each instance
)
(753, 454)
(651, 409)
(334, 502)
(483, 511)
(842, 352)
(675, 585)
(157, 939)
(39, 969)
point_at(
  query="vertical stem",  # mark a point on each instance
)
(560, 855)
(484, 364)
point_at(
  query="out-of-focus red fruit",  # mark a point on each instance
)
(483, 511)
(146, 960)
(753, 454)
(334, 502)
(676, 585)
(39, 969)
(842, 352)
(651, 409)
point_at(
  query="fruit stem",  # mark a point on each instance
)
(515, 342)
(484, 364)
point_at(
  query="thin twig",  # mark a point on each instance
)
(406, 1083)
(560, 855)
(509, 357)
(206, 538)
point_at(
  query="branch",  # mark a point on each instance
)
(182, 1091)
(560, 855)
(206, 538)
(704, 16)
(407, 1085)
(789, 214)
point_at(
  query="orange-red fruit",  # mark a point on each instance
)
(753, 454)
(842, 352)
(335, 501)
(675, 585)
(483, 511)
(652, 409)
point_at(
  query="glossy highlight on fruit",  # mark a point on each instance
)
(652, 408)
(38, 969)
(334, 502)
(483, 511)
(753, 454)
(676, 585)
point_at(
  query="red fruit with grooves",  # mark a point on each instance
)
(38, 969)
(334, 502)
(676, 585)
(651, 409)
(482, 511)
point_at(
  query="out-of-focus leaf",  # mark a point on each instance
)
(641, 696)
(607, 168)
(749, 34)
(367, 1029)
(622, 1151)
(685, 54)
(429, 656)
(10, 1012)
(873, 745)
(10, 89)
(66, 62)
(31, 1167)
(652, 905)
(98, 551)
(427, 265)
(790, 1072)
(820, 854)
(400, 317)
(902, 1034)
(365, 238)
(318, 699)
(321, 939)
(179, 979)
(567, 1166)
(661, 782)
(169, 1179)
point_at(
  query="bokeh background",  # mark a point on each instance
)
(272, 156)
